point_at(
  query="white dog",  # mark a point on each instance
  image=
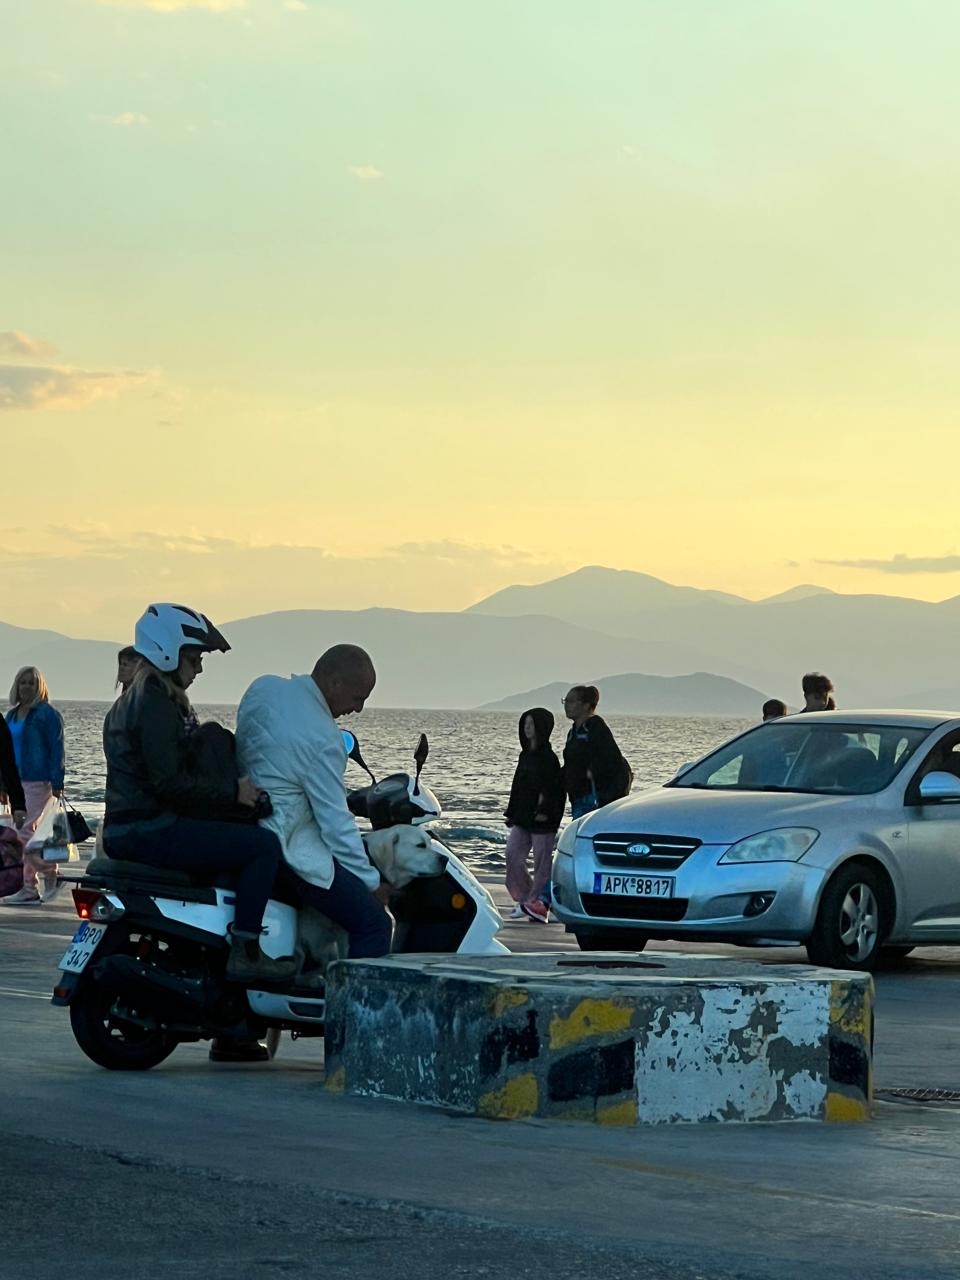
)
(400, 854)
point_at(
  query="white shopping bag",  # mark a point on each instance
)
(51, 836)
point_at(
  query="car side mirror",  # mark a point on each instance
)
(940, 786)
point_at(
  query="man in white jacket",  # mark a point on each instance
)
(289, 743)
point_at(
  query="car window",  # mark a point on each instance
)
(828, 759)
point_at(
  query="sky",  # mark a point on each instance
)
(340, 305)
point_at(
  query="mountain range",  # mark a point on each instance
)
(880, 650)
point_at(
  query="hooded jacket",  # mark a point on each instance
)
(538, 781)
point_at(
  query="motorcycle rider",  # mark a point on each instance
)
(150, 784)
(288, 740)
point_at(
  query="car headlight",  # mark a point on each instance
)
(785, 844)
(569, 838)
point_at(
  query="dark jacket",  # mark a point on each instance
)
(151, 778)
(9, 773)
(592, 747)
(41, 750)
(538, 781)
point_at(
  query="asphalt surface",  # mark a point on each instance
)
(255, 1171)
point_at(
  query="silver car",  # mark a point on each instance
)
(838, 830)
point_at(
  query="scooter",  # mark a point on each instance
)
(144, 971)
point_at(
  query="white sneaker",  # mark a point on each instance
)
(516, 913)
(22, 898)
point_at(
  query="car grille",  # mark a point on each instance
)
(666, 852)
(614, 907)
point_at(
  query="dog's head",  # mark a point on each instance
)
(401, 854)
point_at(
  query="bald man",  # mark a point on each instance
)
(288, 741)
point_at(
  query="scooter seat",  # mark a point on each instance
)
(145, 874)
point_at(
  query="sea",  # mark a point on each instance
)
(470, 765)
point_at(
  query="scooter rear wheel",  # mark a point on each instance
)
(107, 1038)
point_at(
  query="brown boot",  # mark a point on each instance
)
(247, 963)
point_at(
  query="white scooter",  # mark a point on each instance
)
(145, 970)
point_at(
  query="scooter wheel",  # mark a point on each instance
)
(107, 1039)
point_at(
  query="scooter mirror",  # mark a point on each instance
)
(353, 751)
(421, 753)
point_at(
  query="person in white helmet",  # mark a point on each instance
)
(151, 785)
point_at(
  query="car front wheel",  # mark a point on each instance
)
(848, 932)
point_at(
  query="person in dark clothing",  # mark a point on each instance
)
(533, 814)
(818, 692)
(594, 769)
(153, 793)
(773, 709)
(11, 788)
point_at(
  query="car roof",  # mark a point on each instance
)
(900, 719)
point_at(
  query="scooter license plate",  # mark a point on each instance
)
(82, 946)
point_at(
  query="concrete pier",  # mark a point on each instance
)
(613, 1038)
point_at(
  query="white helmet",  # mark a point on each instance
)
(165, 629)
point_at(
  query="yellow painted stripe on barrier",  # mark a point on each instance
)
(519, 1097)
(507, 999)
(337, 1080)
(589, 1018)
(843, 1109)
(619, 1114)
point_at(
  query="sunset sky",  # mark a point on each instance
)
(310, 305)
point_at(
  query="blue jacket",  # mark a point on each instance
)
(42, 756)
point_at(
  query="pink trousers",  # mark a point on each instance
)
(519, 843)
(36, 795)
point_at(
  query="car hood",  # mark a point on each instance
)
(716, 817)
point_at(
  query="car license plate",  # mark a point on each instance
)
(82, 946)
(633, 886)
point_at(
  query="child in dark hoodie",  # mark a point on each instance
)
(533, 813)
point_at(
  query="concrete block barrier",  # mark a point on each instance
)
(613, 1038)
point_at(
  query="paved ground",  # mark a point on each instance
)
(256, 1171)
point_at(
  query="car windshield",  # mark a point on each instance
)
(825, 759)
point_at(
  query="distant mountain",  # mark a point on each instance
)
(593, 592)
(433, 659)
(802, 592)
(72, 668)
(699, 694)
(871, 645)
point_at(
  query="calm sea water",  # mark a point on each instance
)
(471, 763)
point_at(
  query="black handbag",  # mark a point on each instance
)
(79, 829)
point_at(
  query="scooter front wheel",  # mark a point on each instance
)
(108, 1039)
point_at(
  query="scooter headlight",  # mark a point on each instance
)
(568, 838)
(783, 844)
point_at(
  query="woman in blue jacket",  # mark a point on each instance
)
(36, 728)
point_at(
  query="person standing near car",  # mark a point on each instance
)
(818, 692)
(594, 769)
(533, 814)
(36, 728)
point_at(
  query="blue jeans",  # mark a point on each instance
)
(349, 903)
(189, 844)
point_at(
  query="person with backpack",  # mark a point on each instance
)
(594, 769)
(533, 814)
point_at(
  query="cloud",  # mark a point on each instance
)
(127, 118)
(14, 342)
(452, 551)
(366, 172)
(176, 6)
(901, 564)
(48, 386)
